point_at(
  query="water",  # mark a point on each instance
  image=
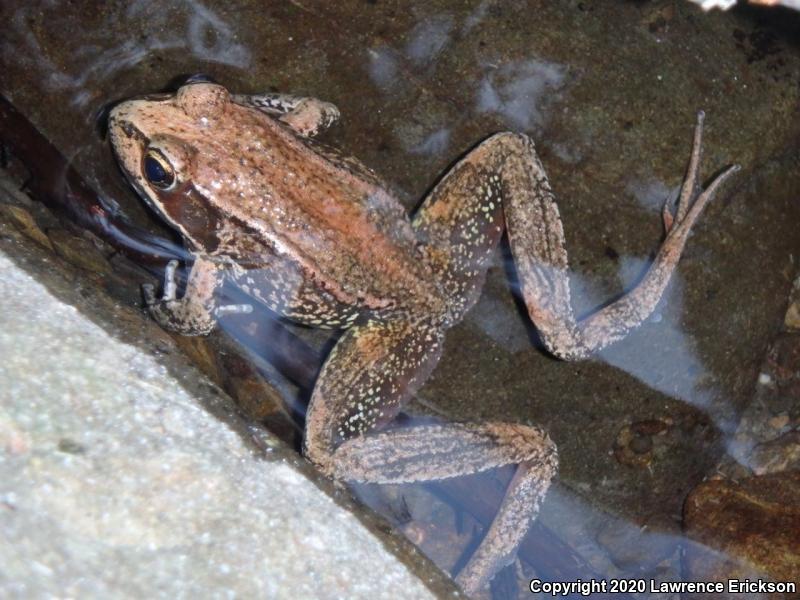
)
(609, 94)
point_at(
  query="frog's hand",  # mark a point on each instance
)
(195, 313)
(307, 116)
(372, 370)
(460, 219)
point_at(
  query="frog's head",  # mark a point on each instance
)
(156, 140)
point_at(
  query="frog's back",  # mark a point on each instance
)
(320, 210)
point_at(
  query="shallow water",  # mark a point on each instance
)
(609, 94)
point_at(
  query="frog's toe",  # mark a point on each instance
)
(666, 215)
(686, 217)
(170, 285)
(693, 198)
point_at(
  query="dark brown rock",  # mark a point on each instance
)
(780, 454)
(24, 221)
(743, 529)
(78, 251)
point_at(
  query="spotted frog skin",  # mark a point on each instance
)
(319, 239)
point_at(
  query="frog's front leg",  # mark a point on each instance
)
(195, 313)
(502, 182)
(370, 373)
(307, 116)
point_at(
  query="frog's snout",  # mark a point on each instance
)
(127, 141)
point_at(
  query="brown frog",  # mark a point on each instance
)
(318, 238)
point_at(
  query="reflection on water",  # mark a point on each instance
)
(677, 353)
(200, 31)
(605, 513)
(652, 194)
(433, 145)
(515, 90)
(382, 67)
(428, 39)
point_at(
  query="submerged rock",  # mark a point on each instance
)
(744, 529)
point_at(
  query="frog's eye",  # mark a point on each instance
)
(158, 171)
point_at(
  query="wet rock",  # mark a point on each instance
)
(764, 439)
(198, 350)
(780, 454)
(792, 318)
(744, 528)
(256, 398)
(78, 251)
(779, 421)
(24, 221)
(638, 549)
(635, 442)
(640, 443)
(658, 18)
(119, 479)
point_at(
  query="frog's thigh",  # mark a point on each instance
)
(501, 183)
(307, 116)
(371, 371)
(461, 221)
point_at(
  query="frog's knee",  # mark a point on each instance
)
(538, 448)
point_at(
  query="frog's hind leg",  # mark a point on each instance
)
(434, 452)
(507, 164)
(552, 314)
(307, 116)
(374, 368)
(461, 222)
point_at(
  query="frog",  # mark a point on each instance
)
(321, 240)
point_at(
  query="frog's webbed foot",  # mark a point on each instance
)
(371, 371)
(195, 313)
(307, 116)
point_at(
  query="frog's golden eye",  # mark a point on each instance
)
(158, 171)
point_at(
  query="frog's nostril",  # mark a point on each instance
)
(127, 128)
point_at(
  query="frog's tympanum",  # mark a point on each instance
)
(319, 239)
